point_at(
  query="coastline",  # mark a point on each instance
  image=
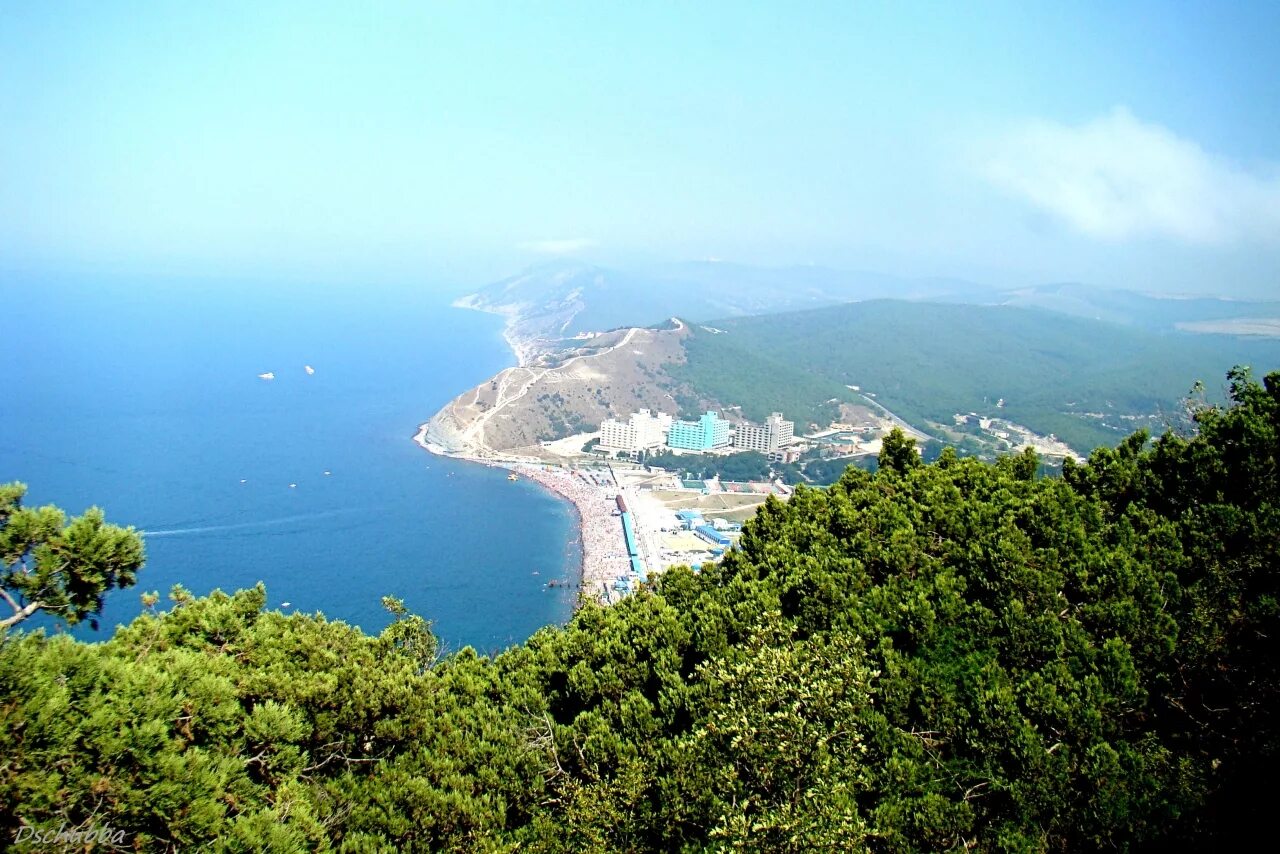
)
(511, 317)
(604, 553)
(602, 556)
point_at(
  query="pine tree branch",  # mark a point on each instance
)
(21, 614)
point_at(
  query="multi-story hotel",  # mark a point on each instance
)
(775, 433)
(706, 433)
(641, 432)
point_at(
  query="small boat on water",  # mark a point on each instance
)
(269, 375)
(513, 476)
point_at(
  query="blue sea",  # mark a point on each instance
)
(142, 396)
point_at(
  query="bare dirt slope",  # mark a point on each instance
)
(570, 391)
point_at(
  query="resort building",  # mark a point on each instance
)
(784, 455)
(641, 432)
(705, 434)
(775, 433)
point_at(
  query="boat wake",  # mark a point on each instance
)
(245, 526)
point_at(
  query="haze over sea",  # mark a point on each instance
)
(143, 397)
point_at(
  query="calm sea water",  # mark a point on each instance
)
(143, 397)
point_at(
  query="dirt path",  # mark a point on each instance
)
(474, 434)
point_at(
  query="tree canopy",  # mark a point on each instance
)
(741, 466)
(940, 655)
(63, 568)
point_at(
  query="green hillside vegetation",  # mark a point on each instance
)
(928, 361)
(746, 465)
(955, 655)
(759, 380)
(812, 469)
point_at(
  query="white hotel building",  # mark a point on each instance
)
(775, 433)
(643, 431)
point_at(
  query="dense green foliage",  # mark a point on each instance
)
(61, 568)
(759, 381)
(934, 656)
(812, 469)
(744, 465)
(928, 361)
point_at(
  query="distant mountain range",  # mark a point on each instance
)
(1147, 311)
(575, 298)
(572, 297)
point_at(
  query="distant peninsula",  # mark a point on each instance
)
(958, 364)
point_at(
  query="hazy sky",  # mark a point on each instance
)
(1126, 144)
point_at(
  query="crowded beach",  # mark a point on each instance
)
(604, 552)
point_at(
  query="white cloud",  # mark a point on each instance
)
(1117, 177)
(565, 246)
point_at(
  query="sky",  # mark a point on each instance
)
(1131, 145)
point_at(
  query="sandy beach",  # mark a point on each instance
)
(604, 551)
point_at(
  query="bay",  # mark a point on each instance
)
(143, 396)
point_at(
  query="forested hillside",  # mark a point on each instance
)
(1086, 381)
(943, 656)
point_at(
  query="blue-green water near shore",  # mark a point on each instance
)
(143, 397)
